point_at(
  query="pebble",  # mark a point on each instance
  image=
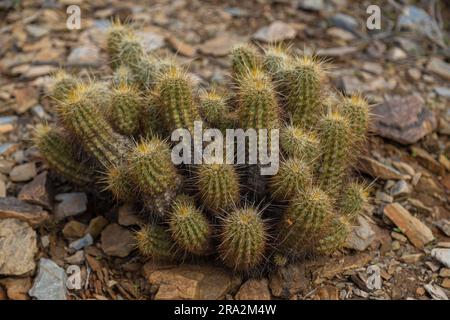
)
(2, 189)
(6, 166)
(81, 243)
(127, 216)
(85, 55)
(77, 258)
(404, 167)
(361, 236)
(275, 32)
(18, 246)
(414, 74)
(396, 54)
(399, 237)
(310, 5)
(11, 207)
(150, 40)
(117, 241)
(96, 226)
(439, 67)
(344, 21)
(444, 273)
(74, 229)
(36, 191)
(7, 123)
(435, 292)
(17, 288)
(384, 197)
(411, 258)
(427, 160)
(221, 44)
(377, 169)
(442, 255)
(444, 226)
(23, 172)
(254, 289)
(401, 188)
(70, 204)
(442, 91)
(50, 283)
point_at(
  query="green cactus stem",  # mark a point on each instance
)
(353, 200)
(244, 57)
(294, 176)
(298, 143)
(154, 242)
(125, 109)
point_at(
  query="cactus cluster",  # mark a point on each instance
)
(113, 136)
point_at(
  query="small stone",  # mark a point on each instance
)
(117, 241)
(414, 74)
(77, 258)
(288, 280)
(81, 243)
(38, 71)
(446, 283)
(435, 292)
(18, 247)
(127, 216)
(444, 273)
(344, 21)
(36, 192)
(442, 91)
(349, 86)
(23, 172)
(361, 236)
(328, 293)
(7, 149)
(275, 32)
(439, 67)
(420, 291)
(17, 288)
(403, 119)
(377, 169)
(404, 168)
(7, 124)
(372, 67)
(399, 237)
(443, 244)
(85, 55)
(341, 34)
(96, 226)
(74, 229)
(400, 189)
(6, 166)
(395, 245)
(361, 293)
(396, 54)
(45, 241)
(2, 189)
(411, 258)
(444, 226)
(11, 207)
(427, 160)
(50, 283)
(151, 40)
(442, 255)
(220, 45)
(384, 197)
(433, 266)
(254, 289)
(36, 31)
(444, 161)
(311, 5)
(71, 204)
(182, 47)
(25, 98)
(417, 232)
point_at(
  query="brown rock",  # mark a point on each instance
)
(17, 288)
(254, 289)
(74, 229)
(189, 282)
(70, 204)
(275, 32)
(117, 241)
(2, 189)
(444, 273)
(2, 294)
(411, 258)
(23, 172)
(446, 283)
(127, 216)
(289, 280)
(379, 170)
(220, 45)
(403, 119)
(417, 232)
(439, 67)
(332, 269)
(17, 247)
(96, 226)
(328, 293)
(443, 160)
(427, 160)
(11, 207)
(36, 192)
(25, 98)
(182, 47)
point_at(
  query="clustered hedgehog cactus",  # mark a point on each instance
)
(112, 136)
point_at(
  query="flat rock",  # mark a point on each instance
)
(333, 268)
(275, 32)
(26, 98)
(11, 207)
(361, 236)
(311, 5)
(288, 280)
(23, 172)
(17, 247)
(96, 226)
(127, 216)
(403, 119)
(442, 255)
(70, 204)
(444, 226)
(50, 282)
(77, 258)
(36, 191)
(254, 289)
(84, 55)
(221, 44)
(427, 160)
(439, 67)
(379, 170)
(81, 243)
(416, 231)
(117, 241)
(188, 282)
(17, 288)
(74, 229)
(400, 189)
(435, 292)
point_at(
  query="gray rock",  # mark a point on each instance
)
(11, 207)
(435, 292)
(77, 258)
(151, 40)
(37, 192)
(442, 255)
(384, 197)
(310, 5)
(50, 283)
(275, 32)
(117, 241)
(442, 91)
(344, 21)
(401, 188)
(85, 55)
(403, 119)
(17, 247)
(81, 243)
(71, 204)
(444, 226)
(361, 236)
(36, 31)
(439, 67)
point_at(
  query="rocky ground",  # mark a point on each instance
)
(400, 250)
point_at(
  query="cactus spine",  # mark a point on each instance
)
(60, 156)
(189, 228)
(353, 200)
(63, 83)
(303, 100)
(296, 142)
(244, 57)
(154, 242)
(218, 186)
(293, 176)
(243, 239)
